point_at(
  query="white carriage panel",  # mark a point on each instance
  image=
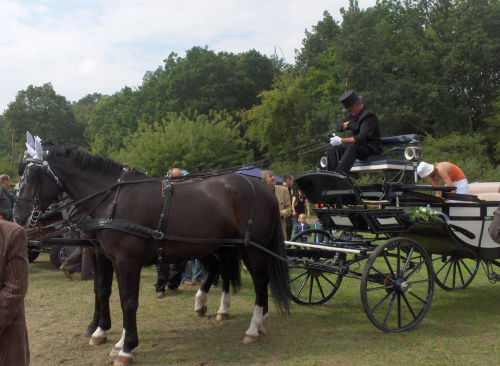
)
(465, 211)
(387, 221)
(341, 220)
(475, 228)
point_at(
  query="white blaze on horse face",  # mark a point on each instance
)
(201, 300)
(225, 302)
(257, 323)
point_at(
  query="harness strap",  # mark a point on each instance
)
(162, 223)
(246, 239)
(112, 206)
(128, 227)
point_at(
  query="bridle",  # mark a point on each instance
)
(36, 213)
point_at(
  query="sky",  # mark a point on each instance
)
(100, 46)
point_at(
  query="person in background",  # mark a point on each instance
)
(301, 226)
(282, 195)
(14, 269)
(169, 276)
(449, 173)
(365, 140)
(6, 198)
(300, 205)
(193, 273)
(288, 183)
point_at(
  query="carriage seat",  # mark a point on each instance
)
(485, 191)
(391, 159)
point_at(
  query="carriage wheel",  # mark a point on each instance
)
(397, 285)
(452, 272)
(312, 282)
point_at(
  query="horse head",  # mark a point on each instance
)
(38, 188)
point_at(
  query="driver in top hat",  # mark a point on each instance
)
(365, 140)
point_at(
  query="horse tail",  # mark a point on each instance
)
(230, 269)
(278, 271)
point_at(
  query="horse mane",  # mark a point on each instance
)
(82, 158)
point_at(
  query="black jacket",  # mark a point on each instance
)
(5, 203)
(365, 128)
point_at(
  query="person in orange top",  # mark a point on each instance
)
(449, 173)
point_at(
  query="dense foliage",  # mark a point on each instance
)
(429, 67)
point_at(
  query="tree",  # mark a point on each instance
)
(112, 119)
(204, 143)
(84, 108)
(42, 112)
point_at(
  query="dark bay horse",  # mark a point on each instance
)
(219, 208)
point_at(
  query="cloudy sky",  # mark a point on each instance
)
(87, 46)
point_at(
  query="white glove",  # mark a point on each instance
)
(335, 141)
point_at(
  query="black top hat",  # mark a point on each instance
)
(349, 99)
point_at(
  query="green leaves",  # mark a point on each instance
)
(207, 142)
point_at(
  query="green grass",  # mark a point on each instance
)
(461, 328)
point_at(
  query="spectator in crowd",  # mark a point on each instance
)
(282, 195)
(193, 273)
(449, 173)
(169, 276)
(365, 140)
(78, 261)
(288, 183)
(300, 205)
(6, 198)
(301, 226)
(14, 345)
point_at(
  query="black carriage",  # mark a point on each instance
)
(404, 255)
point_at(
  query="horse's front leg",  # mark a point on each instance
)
(104, 278)
(129, 279)
(92, 327)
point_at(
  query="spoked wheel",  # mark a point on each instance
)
(452, 272)
(313, 282)
(397, 285)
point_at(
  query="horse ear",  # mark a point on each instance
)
(31, 151)
(30, 140)
(38, 148)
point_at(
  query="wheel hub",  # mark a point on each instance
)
(402, 285)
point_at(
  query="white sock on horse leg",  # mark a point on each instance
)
(225, 302)
(256, 323)
(200, 300)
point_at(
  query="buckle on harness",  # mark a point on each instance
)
(157, 235)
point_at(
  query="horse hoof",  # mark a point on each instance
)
(114, 352)
(250, 339)
(202, 311)
(123, 361)
(222, 316)
(96, 341)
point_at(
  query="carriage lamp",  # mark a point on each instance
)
(322, 162)
(414, 153)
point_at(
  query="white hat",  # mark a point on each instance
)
(424, 169)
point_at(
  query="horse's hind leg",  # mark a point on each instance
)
(104, 279)
(260, 278)
(211, 265)
(230, 274)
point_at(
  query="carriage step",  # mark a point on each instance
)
(494, 277)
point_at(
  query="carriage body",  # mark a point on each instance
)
(358, 223)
